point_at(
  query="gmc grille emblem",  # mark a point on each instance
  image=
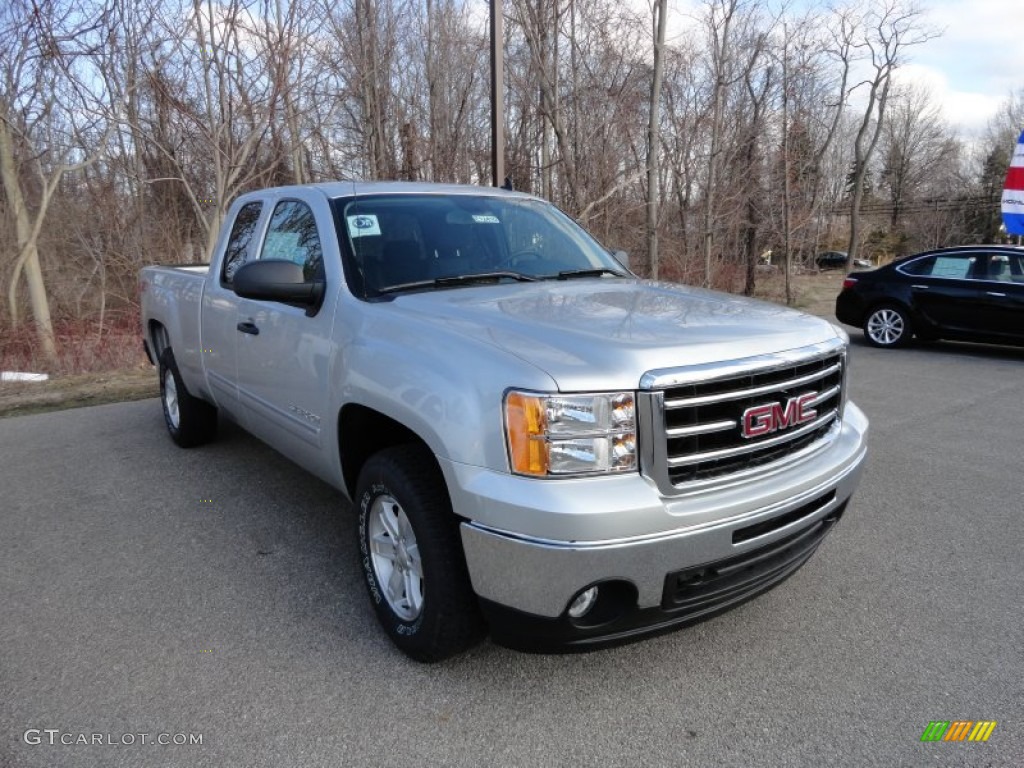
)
(760, 420)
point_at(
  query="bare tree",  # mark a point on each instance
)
(912, 140)
(759, 82)
(442, 88)
(891, 26)
(49, 127)
(823, 51)
(213, 81)
(719, 16)
(142, 125)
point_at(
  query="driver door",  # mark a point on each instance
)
(284, 354)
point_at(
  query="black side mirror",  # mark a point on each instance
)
(278, 280)
(623, 258)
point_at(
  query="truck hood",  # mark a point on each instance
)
(606, 333)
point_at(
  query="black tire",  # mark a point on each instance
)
(190, 421)
(888, 326)
(431, 613)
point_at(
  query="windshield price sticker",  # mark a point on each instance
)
(363, 225)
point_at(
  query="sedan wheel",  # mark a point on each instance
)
(887, 327)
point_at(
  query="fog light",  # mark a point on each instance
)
(584, 601)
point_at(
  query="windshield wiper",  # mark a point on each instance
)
(476, 277)
(568, 273)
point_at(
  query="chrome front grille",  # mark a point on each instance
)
(695, 417)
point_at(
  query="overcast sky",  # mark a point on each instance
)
(971, 68)
(978, 61)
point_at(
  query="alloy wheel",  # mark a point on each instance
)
(171, 399)
(395, 556)
(886, 327)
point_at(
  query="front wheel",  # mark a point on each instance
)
(888, 326)
(412, 557)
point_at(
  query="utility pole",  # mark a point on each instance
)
(497, 95)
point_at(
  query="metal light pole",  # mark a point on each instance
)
(497, 95)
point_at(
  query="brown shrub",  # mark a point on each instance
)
(82, 346)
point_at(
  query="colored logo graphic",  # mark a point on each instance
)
(958, 730)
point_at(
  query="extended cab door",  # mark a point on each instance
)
(284, 352)
(220, 308)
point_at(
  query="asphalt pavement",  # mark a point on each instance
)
(153, 594)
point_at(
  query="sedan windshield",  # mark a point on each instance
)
(416, 242)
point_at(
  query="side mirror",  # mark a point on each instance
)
(278, 280)
(623, 258)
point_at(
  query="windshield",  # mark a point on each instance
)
(422, 241)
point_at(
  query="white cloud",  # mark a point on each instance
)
(966, 110)
(978, 60)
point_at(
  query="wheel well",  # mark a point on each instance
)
(159, 338)
(363, 432)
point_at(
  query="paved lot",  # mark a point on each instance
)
(145, 589)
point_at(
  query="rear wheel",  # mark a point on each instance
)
(888, 326)
(412, 556)
(190, 421)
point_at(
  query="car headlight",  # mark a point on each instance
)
(558, 435)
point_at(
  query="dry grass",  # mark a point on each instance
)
(20, 398)
(94, 365)
(813, 292)
(82, 347)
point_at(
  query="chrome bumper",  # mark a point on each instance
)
(540, 575)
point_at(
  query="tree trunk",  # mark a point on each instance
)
(27, 234)
(787, 226)
(862, 156)
(39, 302)
(654, 140)
(721, 56)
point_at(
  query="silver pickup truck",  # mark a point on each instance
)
(536, 442)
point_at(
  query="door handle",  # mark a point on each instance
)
(249, 328)
(922, 287)
(996, 293)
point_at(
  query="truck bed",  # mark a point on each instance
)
(170, 298)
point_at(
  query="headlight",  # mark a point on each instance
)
(570, 434)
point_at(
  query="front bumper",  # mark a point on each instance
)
(689, 596)
(718, 548)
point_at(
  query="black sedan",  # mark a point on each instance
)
(838, 260)
(971, 293)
